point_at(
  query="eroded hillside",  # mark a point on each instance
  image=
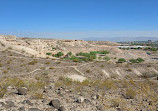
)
(101, 78)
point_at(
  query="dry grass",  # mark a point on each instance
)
(130, 93)
(32, 62)
(36, 95)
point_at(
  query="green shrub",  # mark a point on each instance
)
(106, 58)
(121, 60)
(59, 54)
(48, 53)
(133, 60)
(140, 60)
(69, 53)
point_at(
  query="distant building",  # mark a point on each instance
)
(149, 41)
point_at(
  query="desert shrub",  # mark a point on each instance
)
(0, 65)
(8, 62)
(107, 84)
(101, 65)
(47, 62)
(32, 62)
(106, 58)
(76, 60)
(121, 60)
(88, 71)
(3, 91)
(48, 53)
(37, 95)
(140, 60)
(69, 53)
(43, 68)
(51, 67)
(5, 71)
(59, 54)
(100, 52)
(114, 103)
(130, 93)
(99, 58)
(58, 62)
(35, 85)
(129, 70)
(45, 73)
(133, 60)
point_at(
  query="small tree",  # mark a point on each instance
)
(59, 54)
(69, 53)
(140, 60)
(121, 60)
(133, 60)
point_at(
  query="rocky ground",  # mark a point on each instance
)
(29, 83)
(34, 84)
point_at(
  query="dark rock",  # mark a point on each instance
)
(10, 104)
(27, 102)
(150, 102)
(50, 109)
(62, 108)
(80, 100)
(34, 109)
(1, 104)
(119, 109)
(87, 101)
(22, 91)
(22, 108)
(100, 108)
(55, 103)
(95, 96)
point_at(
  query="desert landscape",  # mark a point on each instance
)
(76, 75)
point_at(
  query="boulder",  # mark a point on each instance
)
(1, 104)
(27, 102)
(62, 108)
(80, 100)
(10, 104)
(22, 91)
(22, 108)
(55, 103)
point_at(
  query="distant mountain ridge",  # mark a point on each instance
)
(121, 39)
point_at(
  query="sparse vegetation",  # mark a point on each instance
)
(88, 71)
(138, 60)
(106, 58)
(59, 54)
(48, 53)
(130, 93)
(36, 95)
(121, 60)
(32, 62)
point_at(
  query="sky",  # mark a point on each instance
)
(76, 19)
